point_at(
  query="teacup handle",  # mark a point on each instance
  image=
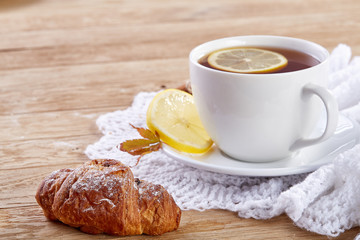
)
(332, 112)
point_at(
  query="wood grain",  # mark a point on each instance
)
(64, 63)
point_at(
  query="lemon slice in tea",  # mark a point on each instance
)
(247, 60)
(173, 115)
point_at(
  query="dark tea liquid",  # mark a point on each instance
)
(296, 60)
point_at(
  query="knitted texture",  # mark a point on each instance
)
(326, 201)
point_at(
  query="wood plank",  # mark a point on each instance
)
(64, 88)
(29, 222)
(49, 152)
(22, 15)
(61, 47)
(25, 181)
(88, 86)
(25, 163)
(48, 125)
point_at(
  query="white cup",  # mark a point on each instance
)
(263, 117)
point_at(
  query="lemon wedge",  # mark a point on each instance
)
(247, 60)
(173, 116)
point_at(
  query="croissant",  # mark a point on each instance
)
(102, 196)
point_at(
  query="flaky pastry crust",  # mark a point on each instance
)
(102, 196)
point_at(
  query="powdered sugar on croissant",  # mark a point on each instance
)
(103, 196)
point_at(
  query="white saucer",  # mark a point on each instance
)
(346, 136)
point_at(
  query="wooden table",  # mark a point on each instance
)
(64, 63)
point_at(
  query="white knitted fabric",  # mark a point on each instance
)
(326, 201)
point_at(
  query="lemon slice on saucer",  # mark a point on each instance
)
(173, 116)
(247, 60)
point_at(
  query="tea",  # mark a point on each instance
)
(297, 60)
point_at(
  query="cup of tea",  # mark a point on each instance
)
(262, 117)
